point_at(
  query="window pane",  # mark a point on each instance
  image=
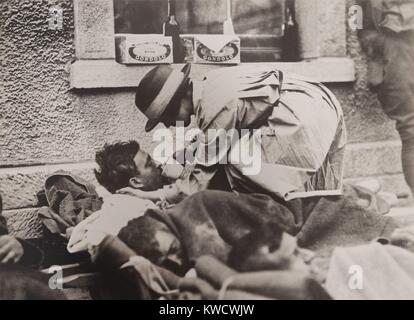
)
(257, 22)
(252, 17)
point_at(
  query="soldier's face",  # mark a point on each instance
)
(170, 250)
(149, 173)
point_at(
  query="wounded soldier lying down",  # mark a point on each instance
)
(206, 223)
(268, 266)
(126, 168)
(215, 222)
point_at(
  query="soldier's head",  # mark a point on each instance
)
(153, 239)
(125, 164)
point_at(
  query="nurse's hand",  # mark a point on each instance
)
(153, 196)
(11, 250)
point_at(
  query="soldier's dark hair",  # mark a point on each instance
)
(116, 165)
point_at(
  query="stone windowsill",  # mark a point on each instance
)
(88, 74)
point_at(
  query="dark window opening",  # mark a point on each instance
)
(258, 23)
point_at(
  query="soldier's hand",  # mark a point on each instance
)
(134, 193)
(11, 250)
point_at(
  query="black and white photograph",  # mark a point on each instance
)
(184, 151)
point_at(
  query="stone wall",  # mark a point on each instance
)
(45, 125)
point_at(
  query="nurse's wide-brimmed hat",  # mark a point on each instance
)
(158, 89)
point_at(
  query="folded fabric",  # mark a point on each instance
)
(350, 220)
(70, 199)
(115, 214)
(371, 272)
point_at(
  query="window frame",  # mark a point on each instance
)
(95, 65)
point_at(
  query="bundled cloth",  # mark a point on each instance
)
(70, 199)
(355, 218)
(116, 212)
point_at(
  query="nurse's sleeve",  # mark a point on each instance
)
(212, 150)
